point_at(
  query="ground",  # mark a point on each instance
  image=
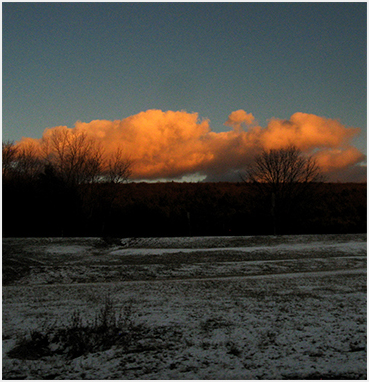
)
(284, 307)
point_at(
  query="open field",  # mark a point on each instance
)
(286, 307)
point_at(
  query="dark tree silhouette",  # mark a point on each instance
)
(74, 156)
(21, 163)
(118, 168)
(58, 177)
(282, 167)
(285, 178)
(9, 154)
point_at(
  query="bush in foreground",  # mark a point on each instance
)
(109, 328)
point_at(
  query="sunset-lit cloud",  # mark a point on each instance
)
(172, 144)
(333, 159)
(238, 118)
(308, 132)
(161, 144)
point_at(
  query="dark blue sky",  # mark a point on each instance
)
(64, 62)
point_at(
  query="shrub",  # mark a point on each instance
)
(78, 338)
(33, 347)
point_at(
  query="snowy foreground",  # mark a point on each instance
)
(289, 307)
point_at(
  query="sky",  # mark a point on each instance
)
(191, 89)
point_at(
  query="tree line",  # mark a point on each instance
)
(69, 187)
(71, 156)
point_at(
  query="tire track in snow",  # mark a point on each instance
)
(205, 278)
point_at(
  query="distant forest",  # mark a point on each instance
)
(47, 206)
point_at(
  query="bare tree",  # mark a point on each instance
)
(285, 176)
(9, 158)
(280, 168)
(21, 161)
(29, 162)
(119, 168)
(74, 156)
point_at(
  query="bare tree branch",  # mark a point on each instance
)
(283, 166)
(119, 168)
(284, 178)
(75, 157)
(10, 152)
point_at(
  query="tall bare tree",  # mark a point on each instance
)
(9, 157)
(21, 162)
(280, 168)
(119, 168)
(285, 177)
(29, 162)
(74, 156)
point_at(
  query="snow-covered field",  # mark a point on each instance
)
(286, 307)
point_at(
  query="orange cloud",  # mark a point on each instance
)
(172, 144)
(161, 144)
(239, 117)
(333, 159)
(308, 132)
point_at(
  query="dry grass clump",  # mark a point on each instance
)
(109, 328)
